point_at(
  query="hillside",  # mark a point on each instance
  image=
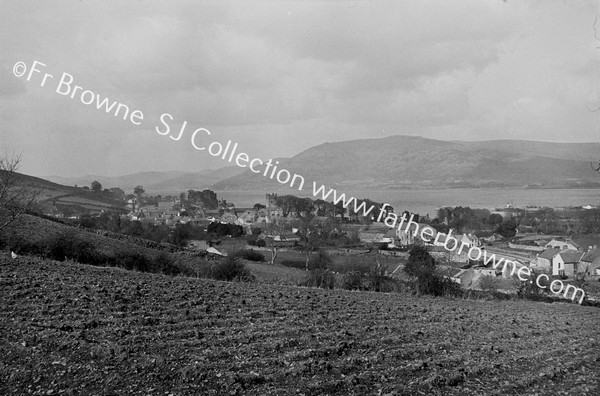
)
(54, 194)
(77, 329)
(158, 182)
(409, 161)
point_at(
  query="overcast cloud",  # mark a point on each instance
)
(279, 77)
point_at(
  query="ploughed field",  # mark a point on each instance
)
(72, 329)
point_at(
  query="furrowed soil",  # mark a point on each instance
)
(73, 329)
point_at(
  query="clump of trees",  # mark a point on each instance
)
(112, 221)
(424, 276)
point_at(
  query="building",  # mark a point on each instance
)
(544, 260)
(590, 263)
(469, 240)
(563, 244)
(565, 262)
(406, 237)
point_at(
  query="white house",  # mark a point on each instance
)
(469, 240)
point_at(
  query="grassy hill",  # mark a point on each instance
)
(54, 194)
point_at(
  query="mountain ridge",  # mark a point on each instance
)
(414, 161)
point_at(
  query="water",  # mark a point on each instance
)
(427, 201)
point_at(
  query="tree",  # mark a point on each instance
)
(425, 278)
(495, 219)
(315, 234)
(273, 230)
(419, 262)
(139, 191)
(507, 229)
(96, 186)
(16, 197)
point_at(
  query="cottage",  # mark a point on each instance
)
(590, 263)
(563, 244)
(371, 237)
(286, 237)
(407, 237)
(565, 262)
(469, 240)
(543, 261)
(587, 243)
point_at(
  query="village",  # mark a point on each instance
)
(561, 242)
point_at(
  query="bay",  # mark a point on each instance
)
(427, 201)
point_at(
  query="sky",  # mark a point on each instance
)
(278, 77)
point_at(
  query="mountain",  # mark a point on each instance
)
(155, 182)
(410, 161)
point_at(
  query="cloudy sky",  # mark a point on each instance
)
(278, 77)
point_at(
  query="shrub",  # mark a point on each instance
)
(322, 278)
(377, 281)
(231, 269)
(133, 261)
(529, 290)
(249, 254)
(353, 280)
(489, 283)
(300, 264)
(437, 285)
(68, 245)
(362, 264)
(165, 264)
(322, 260)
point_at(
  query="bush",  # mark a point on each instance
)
(231, 269)
(134, 261)
(250, 255)
(362, 264)
(165, 264)
(322, 260)
(300, 264)
(67, 245)
(489, 283)
(437, 285)
(353, 280)
(320, 278)
(377, 281)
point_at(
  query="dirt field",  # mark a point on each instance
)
(73, 329)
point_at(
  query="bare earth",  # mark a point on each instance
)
(73, 329)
